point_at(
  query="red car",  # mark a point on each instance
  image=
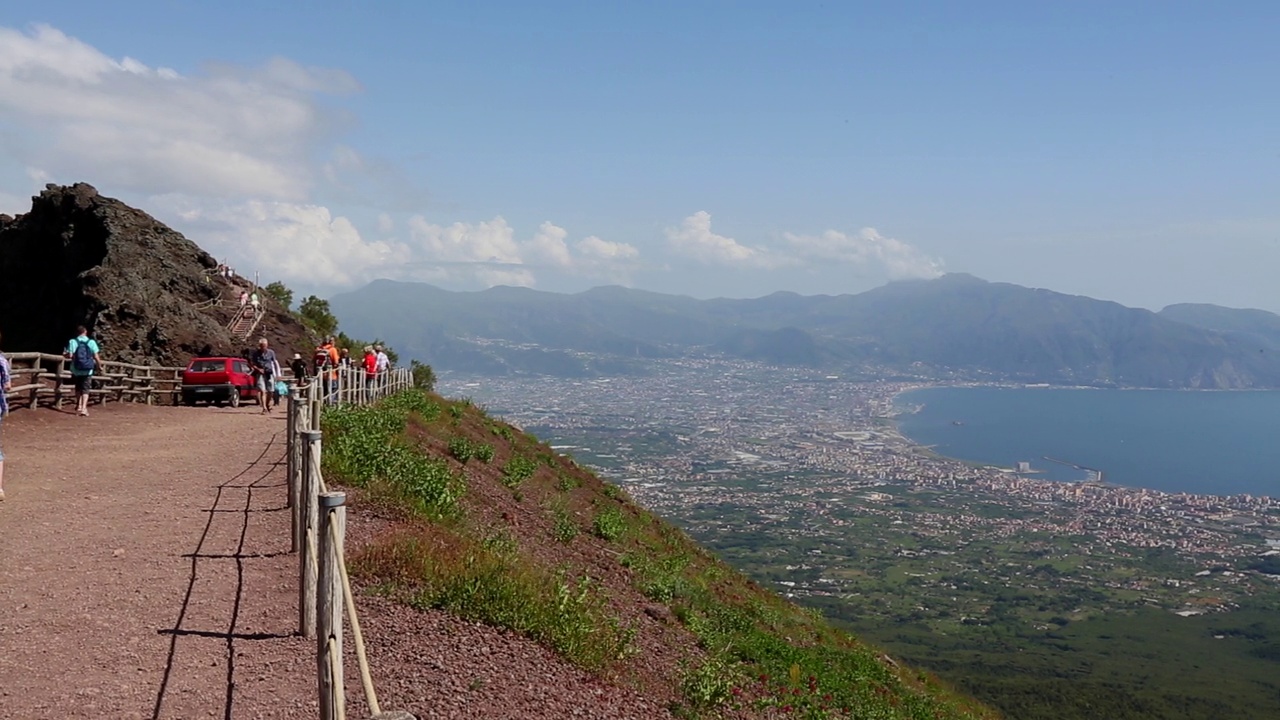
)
(218, 380)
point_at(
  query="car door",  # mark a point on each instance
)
(240, 368)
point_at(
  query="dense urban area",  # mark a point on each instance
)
(802, 479)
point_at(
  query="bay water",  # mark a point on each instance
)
(1219, 443)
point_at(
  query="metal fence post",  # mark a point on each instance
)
(333, 524)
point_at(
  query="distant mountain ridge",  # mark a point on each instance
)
(953, 327)
(1259, 327)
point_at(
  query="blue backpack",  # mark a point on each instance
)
(82, 359)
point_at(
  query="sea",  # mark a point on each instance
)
(1203, 442)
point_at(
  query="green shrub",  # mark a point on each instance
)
(365, 444)
(463, 450)
(517, 470)
(568, 616)
(609, 524)
(710, 684)
(565, 529)
(460, 448)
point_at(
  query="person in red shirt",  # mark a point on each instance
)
(370, 364)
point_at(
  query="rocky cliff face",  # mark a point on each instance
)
(148, 294)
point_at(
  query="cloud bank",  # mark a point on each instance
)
(866, 250)
(237, 157)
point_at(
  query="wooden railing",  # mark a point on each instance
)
(45, 378)
(319, 532)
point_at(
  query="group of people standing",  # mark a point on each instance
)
(326, 362)
(328, 359)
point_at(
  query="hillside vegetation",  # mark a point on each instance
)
(490, 524)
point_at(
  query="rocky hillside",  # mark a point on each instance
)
(148, 294)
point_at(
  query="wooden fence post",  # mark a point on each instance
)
(333, 524)
(307, 560)
(294, 468)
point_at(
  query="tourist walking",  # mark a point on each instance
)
(299, 368)
(6, 374)
(263, 362)
(82, 351)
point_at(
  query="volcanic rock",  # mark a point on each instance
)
(146, 293)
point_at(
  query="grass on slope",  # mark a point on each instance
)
(496, 527)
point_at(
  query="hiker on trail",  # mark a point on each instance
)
(82, 351)
(253, 300)
(6, 375)
(384, 362)
(244, 298)
(299, 367)
(263, 362)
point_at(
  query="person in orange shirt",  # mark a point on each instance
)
(326, 366)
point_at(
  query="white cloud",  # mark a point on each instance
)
(489, 253)
(695, 239)
(866, 248)
(548, 246)
(594, 257)
(597, 250)
(294, 242)
(483, 242)
(237, 158)
(227, 133)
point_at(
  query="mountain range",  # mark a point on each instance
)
(956, 327)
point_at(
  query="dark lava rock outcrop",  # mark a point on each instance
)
(148, 294)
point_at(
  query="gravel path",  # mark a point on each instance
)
(145, 573)
(144, 567)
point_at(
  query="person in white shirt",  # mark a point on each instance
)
(384, 362)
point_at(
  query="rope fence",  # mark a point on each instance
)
(319, 521)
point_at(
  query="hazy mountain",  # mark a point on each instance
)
(1258, 327)
(953, 326)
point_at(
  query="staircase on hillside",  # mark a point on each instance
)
(244, 323)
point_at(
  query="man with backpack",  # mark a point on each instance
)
(326, 367)
(82, 351)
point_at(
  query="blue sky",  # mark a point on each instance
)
(1126, 151)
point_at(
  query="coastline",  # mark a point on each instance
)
(893, 431)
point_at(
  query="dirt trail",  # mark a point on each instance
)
(145, 573)
(144, 567)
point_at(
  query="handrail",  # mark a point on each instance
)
(47, 375)
(362, 658)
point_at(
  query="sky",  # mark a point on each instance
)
(1123, 150)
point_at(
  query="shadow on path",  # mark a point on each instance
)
(265, 468)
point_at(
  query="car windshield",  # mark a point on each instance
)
(199, 366)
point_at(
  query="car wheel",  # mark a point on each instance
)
(235, 397)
